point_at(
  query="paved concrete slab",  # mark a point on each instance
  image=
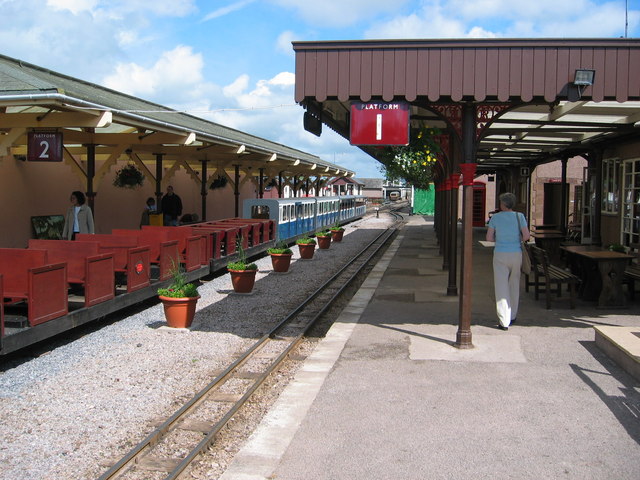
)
(385, 395)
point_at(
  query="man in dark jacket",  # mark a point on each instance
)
(171, 207)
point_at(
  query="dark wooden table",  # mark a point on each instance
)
(545, 227)
(550, 241)
(601, 272)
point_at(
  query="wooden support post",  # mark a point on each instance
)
(91, 172)
(204, 191)
(236, 190)
(468, 169)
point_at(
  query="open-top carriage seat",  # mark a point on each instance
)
(163, 250)
(28, 276)
(129, 258)
(192, 248)
(86, 266)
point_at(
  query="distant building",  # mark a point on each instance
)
(344, 186)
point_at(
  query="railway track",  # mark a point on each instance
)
(170, 450)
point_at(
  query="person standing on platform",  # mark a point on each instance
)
(171, 206)
(79, 218)
(149, 209)
(507, 228)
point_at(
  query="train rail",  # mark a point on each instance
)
(194, 427)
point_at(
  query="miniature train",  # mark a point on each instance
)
(55, 285)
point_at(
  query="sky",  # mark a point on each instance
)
(232, 62)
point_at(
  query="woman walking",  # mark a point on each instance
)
(506, 228)
(79, 218)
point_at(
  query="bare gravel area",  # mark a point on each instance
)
(72, 411)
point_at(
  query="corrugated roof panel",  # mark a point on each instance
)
(480, 69)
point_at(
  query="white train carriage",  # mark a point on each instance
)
(293, 216)
(304, 215)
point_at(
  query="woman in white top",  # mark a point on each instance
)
(79, 218)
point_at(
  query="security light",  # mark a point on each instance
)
(584, 77)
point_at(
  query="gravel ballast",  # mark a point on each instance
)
(72, 411)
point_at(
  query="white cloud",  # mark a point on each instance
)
(238, 86)
(222, 11)
(168, 73)
(507, 18)
(74, 6)
(340, 13)
(283, 43)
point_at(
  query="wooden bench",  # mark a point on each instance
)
(632, 272)
(215, 239)
(163, 251)
(229, 234)
(129, 258)
(29, 277)
(85, 266)
(192, 247)
(1, 314)
(550, 274)
(231, 239)
(255, 234)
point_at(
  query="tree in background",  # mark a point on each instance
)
(414, 163)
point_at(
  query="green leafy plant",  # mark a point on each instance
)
(336, 228)
(128, 177)
(323, 233)
(416, 162)
(241, 263)
(280, 249)
(305, 240)
(616, 247)
(179, 287)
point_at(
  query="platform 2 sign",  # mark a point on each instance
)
(379, 123)
(44, 146)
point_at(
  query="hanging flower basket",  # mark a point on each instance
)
(128, 177)
(219, 182)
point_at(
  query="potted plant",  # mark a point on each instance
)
(280, 257)
(179, 300)
(307, 246)
(324, 239)
(128, 177)
(336, 233)
(243, 272)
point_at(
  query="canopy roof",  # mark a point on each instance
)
(530, 110)
(121, 125)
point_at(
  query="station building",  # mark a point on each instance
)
(59, 134)
(506, 109)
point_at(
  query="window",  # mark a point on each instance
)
(610, 185)
(631, 203)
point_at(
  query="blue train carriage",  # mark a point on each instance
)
(297, 216)
(328, 209)
(294, 216)
(351, 207)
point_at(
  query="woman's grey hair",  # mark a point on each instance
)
(508, 199)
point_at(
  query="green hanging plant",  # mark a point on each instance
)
(128, 177)
(219, 182)
(416, 162)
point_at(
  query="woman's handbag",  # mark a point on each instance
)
(526, 260)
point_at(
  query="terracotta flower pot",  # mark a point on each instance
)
(179, 312)
(281, 261)
(336, 235)
(324, 242)
(243, 280)
(306, 250)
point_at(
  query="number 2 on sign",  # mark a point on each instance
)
(45, 149)
(379, 126)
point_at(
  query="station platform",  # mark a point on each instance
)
(386, 395)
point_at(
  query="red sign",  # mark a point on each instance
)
(139, 267)
(44, 146)
(379, 123)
